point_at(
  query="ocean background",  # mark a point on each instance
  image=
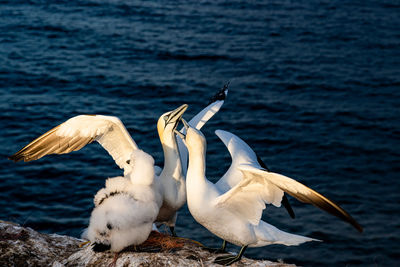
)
(314, 89)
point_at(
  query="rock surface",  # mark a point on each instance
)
(20, 246)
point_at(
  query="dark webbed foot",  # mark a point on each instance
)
(229, 259)
(226, 260)
(214, 250)
(217, 250)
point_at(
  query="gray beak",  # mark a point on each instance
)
(181, 135)
(177, 114)
(185, 124)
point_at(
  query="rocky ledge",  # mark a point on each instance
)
(20, 246)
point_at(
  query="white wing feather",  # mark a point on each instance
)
(79, 131)
(197, 122)
(247, 199)
(287, 184)
(295, 189)
(240, 153)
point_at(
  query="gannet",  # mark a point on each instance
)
(245, 162)
(176, 153)
(232, 208)
(78, 131)
(200, 119)
(111, 133)
(127, 207)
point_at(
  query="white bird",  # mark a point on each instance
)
(232, 208)
(176, 156)
(200, 119)
(126, 208)
(246, 163)
(110, 132)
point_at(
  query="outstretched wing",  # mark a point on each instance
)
(301, 192)
(241, 153)
(79, 131)
(200, 119)
(248, 197)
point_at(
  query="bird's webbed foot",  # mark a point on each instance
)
(217, 250)
(227, 260)
(214, 250)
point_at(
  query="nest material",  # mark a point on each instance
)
(157, 242)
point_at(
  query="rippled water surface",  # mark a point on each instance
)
(314, 89)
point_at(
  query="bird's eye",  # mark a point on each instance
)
(165, 118)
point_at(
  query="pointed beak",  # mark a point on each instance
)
(185, 124)
(177, 114)
(181, 135)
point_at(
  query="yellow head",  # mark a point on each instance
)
(168, 121)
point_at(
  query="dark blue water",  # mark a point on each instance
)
(315, 90)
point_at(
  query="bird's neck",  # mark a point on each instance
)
(172, 162)
(197, 167)
(199, 191)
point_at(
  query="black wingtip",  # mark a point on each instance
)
(99, 247)
(355, 224)
(285, 200)
(16, 157)
(288, 207)
(221, 95)
(262, 164)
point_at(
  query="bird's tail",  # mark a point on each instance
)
(268, 234)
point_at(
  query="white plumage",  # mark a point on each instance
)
(79, 131)
(172, 177)
(110, 132)
(232, 208)
(232, 215)
(246, 175)
(127, 207)
(199, 120)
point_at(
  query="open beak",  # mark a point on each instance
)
(176, 114)
(185, 124)
(182, 135)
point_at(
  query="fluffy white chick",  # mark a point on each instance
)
(126, 208)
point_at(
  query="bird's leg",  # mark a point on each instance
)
(228, 260)
(172, 229)
(217, 250)
(114, 262)
(223, 247)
